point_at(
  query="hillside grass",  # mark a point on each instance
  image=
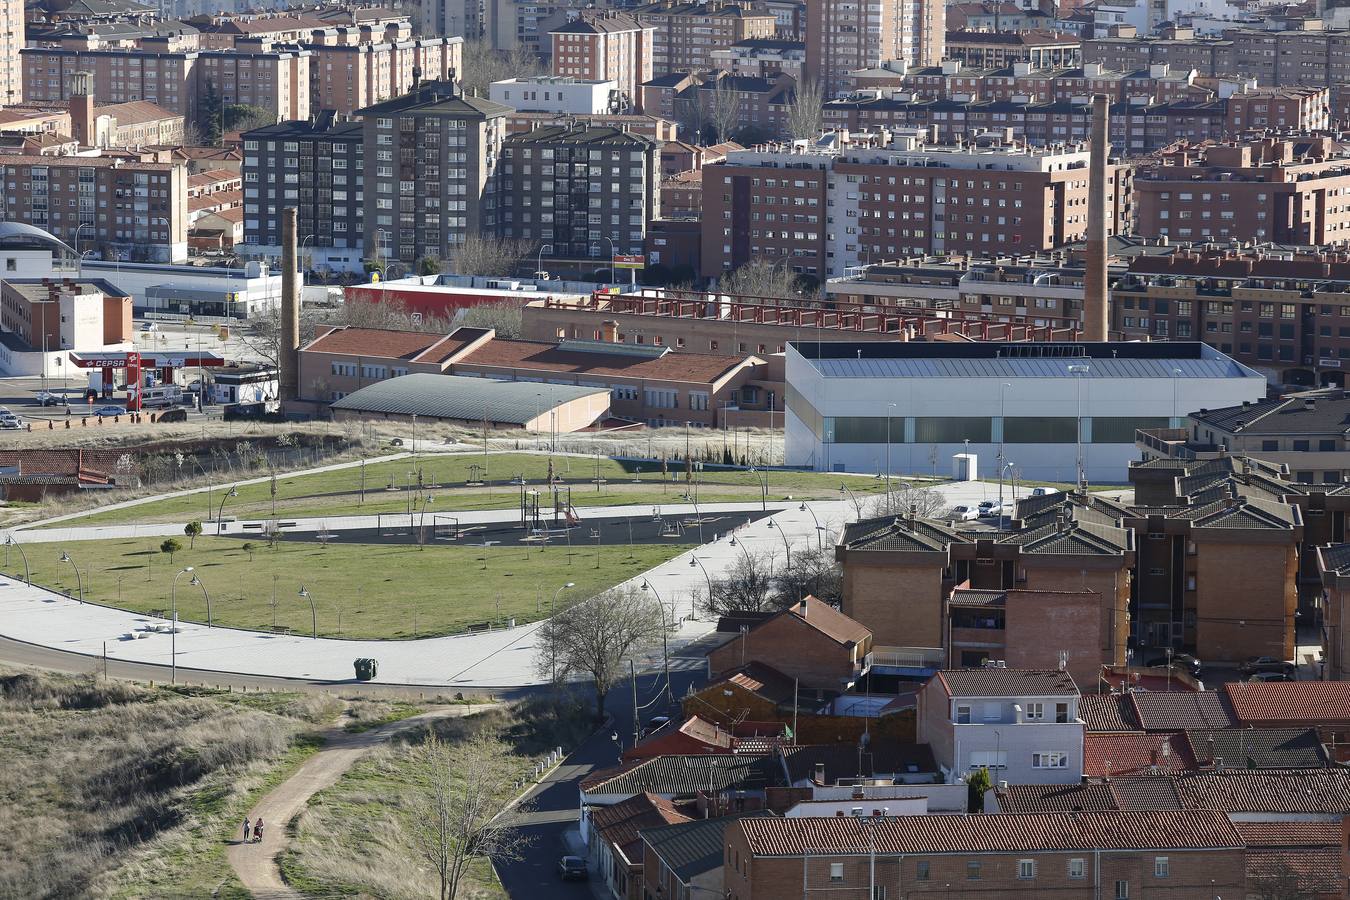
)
(377, 590)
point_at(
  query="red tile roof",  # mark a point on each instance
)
(1107, 712)
(1267, 791)
(1289, 834)
(619, 824)
(1313, 871)
(373, 343)
(829, 621)
(1130, 753)
(1291, 702)
(540, 356)
(996, 833)
(1056, 798)
(1177, 710)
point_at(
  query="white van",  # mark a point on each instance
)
(161, 395)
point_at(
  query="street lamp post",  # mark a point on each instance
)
(787, 548)
(665, 649)
(553, 653)
(198, 582)
(313, 613)
(173, 627)
(1080, 369)
(819, 543)
(79, 257)
(79, 580)
(890, 410)
(10, 542)
(1002, 425)
(695, 561)
(220, 525)
(763, 488)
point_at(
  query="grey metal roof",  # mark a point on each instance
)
(462, 398)
(1222, 367)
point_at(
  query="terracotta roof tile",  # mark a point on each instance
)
(1056, 797)
(1016, 832)
(1180, 710)
(540, 356)
(829, 621)
(1294, 702)
(1107, 712)
(373, 342)
(1314, 871)
(1259, 748)
(1130, 753)
(688, 774)
(619, 824)
(1289, 834)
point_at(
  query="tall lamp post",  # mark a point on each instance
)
(665, 650)
(197, 582)
(764, 488)
(79, 580)
(553, 654)
(890, 413)
(313, 613)
(1002, 425)
(173, 628)
(695, 561)
(1081, 370)
(787, 548)
(10, 542)
(220, 525)
(819, 542)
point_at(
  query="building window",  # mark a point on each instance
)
(1049, 759)
(1077, 869)
(921, 870)
(963, 715)
(973, 871)
(1026, 868)
(1122, 890)
(836, 871)
(1035, 712)
(1160, 867)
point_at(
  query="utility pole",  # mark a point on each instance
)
(632, 676)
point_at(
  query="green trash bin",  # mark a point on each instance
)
(366, 668)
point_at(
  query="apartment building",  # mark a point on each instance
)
(762, 58)
(605, 46)
(1273, 189)
(430, 172)
(1137, 126)
(1075, 855)
(316, 166)
(579, 193)
(843, 36)
(761, 105)
(1158, 83)
(557, 94)
(347, 76)
(1040, 49)
(686, 35)
(137, 210)
(890, 194)
(12, 26)
(810, 642)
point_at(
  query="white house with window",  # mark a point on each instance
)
(1021, 725)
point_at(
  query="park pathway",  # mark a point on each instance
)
(256, 864)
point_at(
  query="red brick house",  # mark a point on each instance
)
(811, 641)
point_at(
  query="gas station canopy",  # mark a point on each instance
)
(161, 359)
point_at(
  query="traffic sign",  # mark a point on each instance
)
(629, 262)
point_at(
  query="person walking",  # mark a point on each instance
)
(246, 828)
(258, 831)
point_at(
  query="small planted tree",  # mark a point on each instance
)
(977, 783)
(250, 548)
(171, 546)
(192, 529)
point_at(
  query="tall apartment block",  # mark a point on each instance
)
(845, 35)
(136, 210)
(573, 191)
(607, 46)
(686, 34)
(317, 166)
(11, 42)
(345, 77)
(430, 161)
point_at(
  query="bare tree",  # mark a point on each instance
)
(806, 112)
(725, 111)
(1279, 882)
(461, 817)
(483, 65)
(488, 255)
(760, 278)
(748, 586)
(597, 636)
(812, 572)
(905, 497)
(263, 335)
(504, 318)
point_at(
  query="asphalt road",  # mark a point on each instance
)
(554, 802)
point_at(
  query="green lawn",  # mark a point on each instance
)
(381, 590)
(394, 487)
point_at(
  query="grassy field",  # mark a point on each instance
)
(394, 487)
(116, 790)
(376, 590)
(352, 838)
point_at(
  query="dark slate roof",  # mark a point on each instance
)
(969, 597)
(439, 99)
(1259, 748)
(691, 848)
(1336, 558)
(880, 758)
(600, 24)
(594, 135)
(689, 774)
(460, 398)
(900, 533)
(1267, 791)
(1179, 711)
(324, 126)
(994, 682)
(1018, 798)
(1073, 538)
(770, 44)
(1146, 792)
(1328, 414)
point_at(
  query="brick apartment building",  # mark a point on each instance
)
(1271, 189)
(885, 195)
(579, 193)
(12, 25)
(1040, 49)
(1158, 83)
(845, 35)
(56, 313)
(1176, 854)
(430, 172)
(810, 641)
(761, 58)
(316, 166)
(1136, 128)
(137, 209)
(348, 75)
(686, 35)
(655, 385)
(605, 46)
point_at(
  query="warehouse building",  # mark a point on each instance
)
(1037, 411)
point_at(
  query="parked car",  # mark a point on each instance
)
(964, 513)
(1039, 492)
(149, 326)
(110, 411)
(1180, 660)
(47, 398)
(177, 414)
(10, 423)
(573, 868)
(1253, 665)
(1271, 676)
(988, 507)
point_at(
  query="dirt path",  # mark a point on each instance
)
(256, 864)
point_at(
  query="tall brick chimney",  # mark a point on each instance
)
(82, 120)
(289, 356)
(1095, 319)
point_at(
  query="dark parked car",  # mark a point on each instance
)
(1255, 664)
(1271, 676)
(1183, 661)
(573, 868)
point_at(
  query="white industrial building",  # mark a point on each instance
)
(557, 94)
(915, 406)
